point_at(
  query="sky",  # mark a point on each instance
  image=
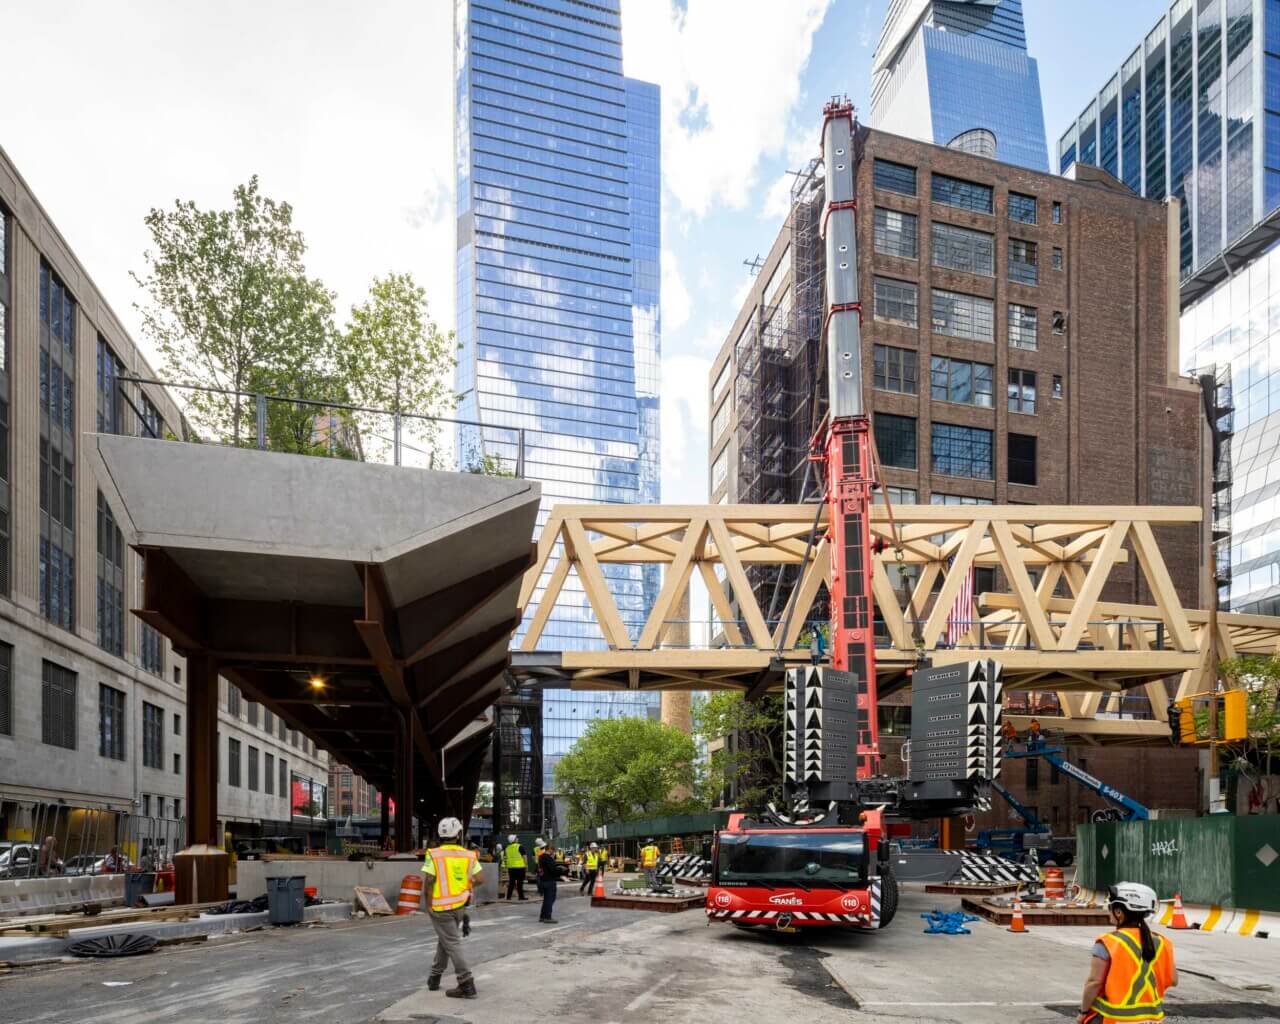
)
(345, 108)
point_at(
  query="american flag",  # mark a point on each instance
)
(958, 618)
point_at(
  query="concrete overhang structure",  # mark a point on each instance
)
(371, 607)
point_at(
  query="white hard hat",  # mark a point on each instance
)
(449, 828)
(1135, 896)
(539, 842)
(594, 846)
(511, 839)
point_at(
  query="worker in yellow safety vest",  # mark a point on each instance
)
(513, 860)
(591, 865)
(454, 871)
(649, 857)
(1132, 967)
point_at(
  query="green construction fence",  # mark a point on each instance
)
(1221, 860)
(659, 828)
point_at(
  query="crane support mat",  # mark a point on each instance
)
(971, 888)
(1000, 910)
(662, 904)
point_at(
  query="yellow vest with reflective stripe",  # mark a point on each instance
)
(452, 867)
(1134, 989)
(592, 860)
(649, 857)
(512, 857)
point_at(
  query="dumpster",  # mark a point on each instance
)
(286, 898)
(136, 885)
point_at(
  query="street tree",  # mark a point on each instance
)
(394, 357)
(230, 306)
(625, 769)
(752, 762)
(1256, 758)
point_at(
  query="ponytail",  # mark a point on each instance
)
(1139, 921)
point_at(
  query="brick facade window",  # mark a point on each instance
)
(894, 177)
(895, 369)
(1022, 327)
(895, 233)
(1022, 208)
(897, 302)
(896, 440)
(963, 316)
(960, 381)
(957, 248)
(1022, 390)
(963, 195)
(962, 451)
(1022, 459)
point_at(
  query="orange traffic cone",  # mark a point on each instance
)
(599, 889)
(1018, 924)
(1179, 919)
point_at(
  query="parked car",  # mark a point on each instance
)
(86, 864)
(18, 860)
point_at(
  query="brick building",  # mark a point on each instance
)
(1020, 345)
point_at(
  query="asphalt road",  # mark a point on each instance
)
(614, 967)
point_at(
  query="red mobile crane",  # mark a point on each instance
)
(824, 861)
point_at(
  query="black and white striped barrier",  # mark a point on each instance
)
(687, 865)
(985, 867)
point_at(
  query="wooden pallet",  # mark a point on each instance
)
(59, 925)
(662, 904)
(1038, 916)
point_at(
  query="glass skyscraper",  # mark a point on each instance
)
(956, 73)
(1194, 112)
(558, 234)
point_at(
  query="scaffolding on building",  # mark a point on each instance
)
(1215, 388)
(779, 390)
(517, 764)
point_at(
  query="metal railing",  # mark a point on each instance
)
(44, 840)
(709, 634)
(408, 438)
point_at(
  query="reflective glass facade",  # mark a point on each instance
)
(942, 70)
(1237, 327)
(1194, 113)
(557, 283)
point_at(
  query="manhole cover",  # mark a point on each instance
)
(113, 945)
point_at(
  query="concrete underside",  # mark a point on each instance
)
(602, 966)
(395, 587)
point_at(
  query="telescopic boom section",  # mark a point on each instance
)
(846, 449)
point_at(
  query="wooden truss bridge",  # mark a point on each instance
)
(1063, 619)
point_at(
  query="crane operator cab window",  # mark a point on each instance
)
(809, 860)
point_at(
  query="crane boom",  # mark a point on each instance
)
(846, 447)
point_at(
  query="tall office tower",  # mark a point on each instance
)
(557, 277)
(1194, 113)
(1178, 119)
(956, 73)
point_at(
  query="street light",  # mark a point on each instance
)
(317, 682)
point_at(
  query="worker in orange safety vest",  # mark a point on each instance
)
(1132, 967)
(649, 857)
(454, 871)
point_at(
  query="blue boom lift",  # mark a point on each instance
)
(1011, 842)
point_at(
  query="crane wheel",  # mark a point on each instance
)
(888, 896)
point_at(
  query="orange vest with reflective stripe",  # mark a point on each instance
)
(1134, 989)
(453, 867)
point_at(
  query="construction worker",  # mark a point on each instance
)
(1132, 968)
(454, 871)
(549, 872)
(513, 861)
(1035, 741)
(649, 857)
(591, 865)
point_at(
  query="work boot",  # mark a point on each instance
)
(433, 982)
(465, 990)
(546, 920)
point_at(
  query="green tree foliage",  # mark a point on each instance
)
(1257, 757)
(753, 760)
(624, 769)
(394, 357)
(229, 305)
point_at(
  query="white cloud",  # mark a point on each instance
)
(684, 429)
(676, 303)
(730, 78)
